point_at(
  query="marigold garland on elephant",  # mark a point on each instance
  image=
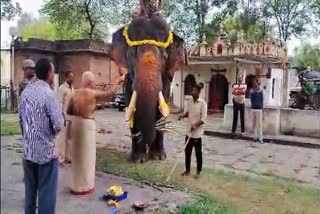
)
(150, 53)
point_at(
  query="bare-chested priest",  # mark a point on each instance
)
(82, 106)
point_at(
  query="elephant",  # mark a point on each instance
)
(150, 54)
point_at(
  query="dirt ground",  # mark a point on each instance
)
(161, 200)
(300, 164)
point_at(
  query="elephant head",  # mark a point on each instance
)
(151, 54)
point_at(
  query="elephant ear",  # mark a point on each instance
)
(119, 49)
(177, 55)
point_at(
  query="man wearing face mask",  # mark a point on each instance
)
(65, 92)
(29, 74)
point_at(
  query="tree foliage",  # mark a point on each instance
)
(244, 22)
(307, 55)
(234, 28)
(189, 17)
(41, 28)
(90, 18)
(9, 9)
(290, 17)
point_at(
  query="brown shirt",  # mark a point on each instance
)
(197, 111)
(65, 92)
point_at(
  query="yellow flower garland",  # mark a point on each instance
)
(147, 41)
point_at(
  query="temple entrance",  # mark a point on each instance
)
(218, 92)
(189, 81)
(249, 83)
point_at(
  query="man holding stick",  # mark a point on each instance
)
(196, 111)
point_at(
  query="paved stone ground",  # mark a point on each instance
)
(301, 164)
(12, 190)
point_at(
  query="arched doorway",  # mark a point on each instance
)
(218, 92)
(189, 81)
(249, 83)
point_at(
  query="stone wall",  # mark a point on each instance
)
(300, 122)
(279, 121)
(75, 55)
(22, 54)
(271, 119)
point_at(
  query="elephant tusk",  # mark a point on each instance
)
(163, 106)
(131, 108)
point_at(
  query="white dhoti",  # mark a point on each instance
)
(83, 166)
(64, 143)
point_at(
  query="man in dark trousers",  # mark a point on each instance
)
(238, 91)
(196, 111)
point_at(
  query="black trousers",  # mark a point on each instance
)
(236, 108)
(197, 144)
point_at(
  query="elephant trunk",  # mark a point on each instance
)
(147, 85)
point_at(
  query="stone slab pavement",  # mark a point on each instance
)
(299, 163)
(12, 190)
(215, 128)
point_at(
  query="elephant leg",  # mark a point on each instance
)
(138, 150)
(157, 151)
(134, 149)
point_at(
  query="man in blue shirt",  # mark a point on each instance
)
(41, 120)
(256, 97)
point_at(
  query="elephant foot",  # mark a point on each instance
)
(138, 158)
(157, 155)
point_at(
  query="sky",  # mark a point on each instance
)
(34, 7)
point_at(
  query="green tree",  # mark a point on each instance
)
(41, 28)
(189, 17)
(90, 18)
(307, 55)
(291, 17)
(233, 26)
(9, 9)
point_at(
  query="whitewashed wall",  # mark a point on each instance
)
(5, 67)
(202, 73)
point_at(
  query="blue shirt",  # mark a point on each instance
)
(41, 120)
(256, 97)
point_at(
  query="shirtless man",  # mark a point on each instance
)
(83, 106)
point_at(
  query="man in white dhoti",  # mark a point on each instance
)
(82, 106)
(65, 92)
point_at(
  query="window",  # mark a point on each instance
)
(219, 49)
(273, 83)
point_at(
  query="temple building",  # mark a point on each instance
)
(216, 65)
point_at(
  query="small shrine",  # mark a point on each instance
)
(217, 65)
(222, 46)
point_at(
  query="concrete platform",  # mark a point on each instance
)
(305, 142)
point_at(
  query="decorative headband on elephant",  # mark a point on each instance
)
(150, 53)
